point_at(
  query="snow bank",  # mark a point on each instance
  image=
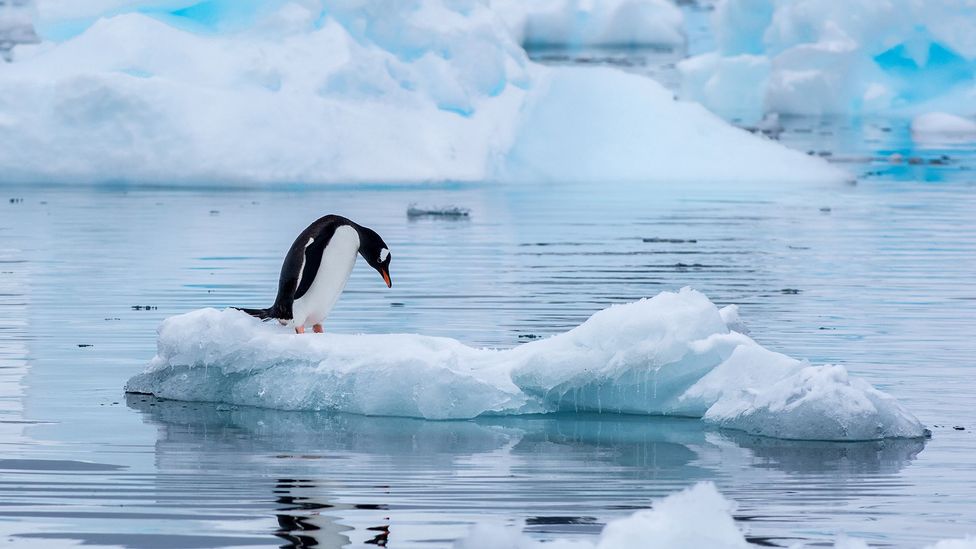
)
(816, 57)
(592, 23)
(322, 91)
(696, 517)
(672, 354)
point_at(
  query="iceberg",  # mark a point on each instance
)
(943, 128)
(816, 57)
(326, 91)
(696, 517)
(673, 354)
(593, 23)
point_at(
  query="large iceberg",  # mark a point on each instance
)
(320, 91)
(814, 57)
(691, 519)
(673, 354)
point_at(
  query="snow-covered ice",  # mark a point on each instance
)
(694, 518)
(672, 354)
(828, 56)
(940, 127)
(322, 91)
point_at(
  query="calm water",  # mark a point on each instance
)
(877, 276)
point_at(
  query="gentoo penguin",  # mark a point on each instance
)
(317, 267)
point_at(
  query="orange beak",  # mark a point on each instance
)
(386, 278)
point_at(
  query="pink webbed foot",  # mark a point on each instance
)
(317, 328)
(299, 329)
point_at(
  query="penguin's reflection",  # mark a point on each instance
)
(301, 522)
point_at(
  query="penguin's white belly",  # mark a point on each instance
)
(338, 259)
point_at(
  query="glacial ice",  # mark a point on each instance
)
(673, 354)
(814, 57)
(323, 91)
(592, 23)
(696, 517)
(940, 127)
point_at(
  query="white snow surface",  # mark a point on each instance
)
(254, 92)
(816, 57)
(694, 518)
(672, 354)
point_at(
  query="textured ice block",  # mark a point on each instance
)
(673, 354)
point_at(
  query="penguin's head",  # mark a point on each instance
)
(376, 253)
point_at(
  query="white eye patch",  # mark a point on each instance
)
(309, 243)
(384, 253)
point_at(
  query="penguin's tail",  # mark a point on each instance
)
(263, 314)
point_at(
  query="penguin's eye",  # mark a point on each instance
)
(384, 253)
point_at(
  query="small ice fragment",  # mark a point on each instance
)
(437, 211)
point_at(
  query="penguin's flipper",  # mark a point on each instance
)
(263, 314)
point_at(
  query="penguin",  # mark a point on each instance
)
(317, 267)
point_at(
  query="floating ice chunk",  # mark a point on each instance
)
(694, 518)
(263, 92)
(676, 523)
(672, 354)
(943, 127)
(415, 210)
(587, 23)
(969, 542)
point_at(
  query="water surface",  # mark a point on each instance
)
(877, 276)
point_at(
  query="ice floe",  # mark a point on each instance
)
(943, 127)
(416, 210)
(321, 91)
(817, 57)
(673, 354)
(691, 519)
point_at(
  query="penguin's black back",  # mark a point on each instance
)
(294, 280)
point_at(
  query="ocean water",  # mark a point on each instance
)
(876, 275)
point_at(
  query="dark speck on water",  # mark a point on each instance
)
(670, 240)
(790, 291)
